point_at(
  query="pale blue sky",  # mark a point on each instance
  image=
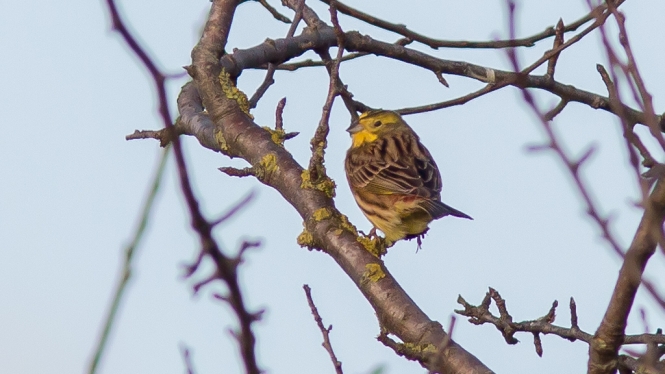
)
(72, 188)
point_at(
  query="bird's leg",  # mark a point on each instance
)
(371, 235)
(419, 238)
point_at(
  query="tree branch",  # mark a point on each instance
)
(437, 43)
(323, 36)
(604, 348)
(480, 314)
(328, 229)
(324, 331)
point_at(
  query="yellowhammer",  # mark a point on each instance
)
(393, 177)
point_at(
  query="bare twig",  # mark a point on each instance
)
(437, 43)
(454, 102)
(519, 80)
(558, 41)
(479, 315)
(269, 80)
(436, 359)
(279, 121)
(319, 141)
(324, 331)
(187, 359)
(261, 90)
(646, 100)
(278, 16)
(311, 63)
(235, 209)
(629, 133)
(556, 110)
(127, 266)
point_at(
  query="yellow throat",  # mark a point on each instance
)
(361, 137)
(371, 124)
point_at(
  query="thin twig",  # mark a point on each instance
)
(187, 359)
(279, 121)
(556, 110)
(261, 90)
(319, 141)
(435, 360)
(235, 209)
(518, 80)
(448, 103)
(278, 16)
(646, 100)
(437, 43)
(311, 63)
(324, 331)
(127, 266)
(269, 79)
(629, 133)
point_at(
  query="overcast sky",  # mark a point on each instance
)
(72, 188)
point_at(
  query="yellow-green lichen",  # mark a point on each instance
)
(424, 348)
(320, 149)
(376, 245)
(232, 92)
(347, 225)
(321, 214)
(267, 166)
(219, 136)
(373, 273)
(305, 239)
(338, 232)
(325, 184)
(277, 136)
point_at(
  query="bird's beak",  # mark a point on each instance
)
(354, 128)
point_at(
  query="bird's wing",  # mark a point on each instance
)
(395, 165)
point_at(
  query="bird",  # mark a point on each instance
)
(393, 177)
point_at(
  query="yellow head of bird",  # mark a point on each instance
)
(372, 124)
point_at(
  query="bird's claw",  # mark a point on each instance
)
(371, 235)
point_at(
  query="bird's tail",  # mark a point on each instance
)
(438, 209)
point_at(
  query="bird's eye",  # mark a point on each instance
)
(377, 123)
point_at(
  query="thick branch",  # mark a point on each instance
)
(604, 348)
(332, 233)
(396, 311)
